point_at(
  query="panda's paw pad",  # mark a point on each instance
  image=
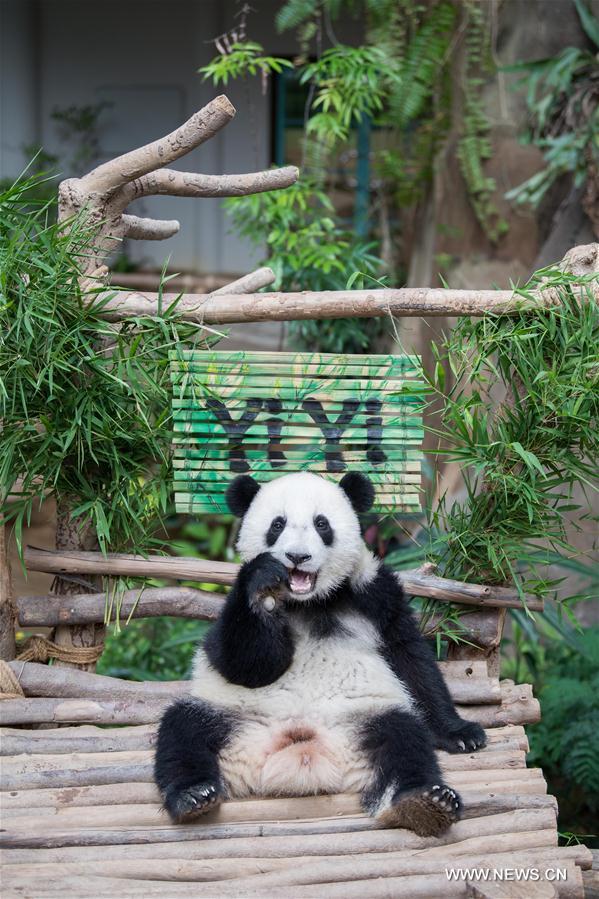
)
(429, 812)
(193, 802)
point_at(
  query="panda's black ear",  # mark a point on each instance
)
(358, 489)
(240, 494)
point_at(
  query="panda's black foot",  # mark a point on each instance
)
(184, 805)
(467, 738)
(429, 812)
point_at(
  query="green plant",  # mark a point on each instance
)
(241, 60)
(522, 459)
(84, 406)
(563, 665)
(309, 249)
(562, 94)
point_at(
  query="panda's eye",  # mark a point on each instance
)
(278, 524)
(321, 523)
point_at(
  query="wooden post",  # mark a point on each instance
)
(490, 653)
(8, 614)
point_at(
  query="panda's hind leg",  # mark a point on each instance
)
(186, 767)
(406, 789)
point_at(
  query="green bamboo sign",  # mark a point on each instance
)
(269, 414)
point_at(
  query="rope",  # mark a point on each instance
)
(10, 688)
(40, 649)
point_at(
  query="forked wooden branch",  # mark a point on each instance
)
(106, 191)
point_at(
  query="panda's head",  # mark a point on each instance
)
(307, 522)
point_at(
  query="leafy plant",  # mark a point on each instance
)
(243, 59)
(84, 406)
(563, 665)
(308, 249)
(562, 94)
(521, 459)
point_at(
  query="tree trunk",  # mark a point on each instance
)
(7, 610)
(71, 535)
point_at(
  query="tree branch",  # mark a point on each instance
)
(189, 184)
(138, 228)
(262, 277)
(202, 126)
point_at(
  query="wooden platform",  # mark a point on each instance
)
(81, 816)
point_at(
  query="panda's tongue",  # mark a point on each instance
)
(300, 581)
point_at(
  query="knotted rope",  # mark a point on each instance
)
(40, 649)
(10, 688)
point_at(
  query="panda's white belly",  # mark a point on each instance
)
(300, 734)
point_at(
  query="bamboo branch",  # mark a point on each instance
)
(117, 564)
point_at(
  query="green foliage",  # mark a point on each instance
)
(308, 249)
(162, 648)
(85, 407)
(563, 100)
(563, 665)
(350, 82)
(474, 146)
(244, 59)
(521, 460)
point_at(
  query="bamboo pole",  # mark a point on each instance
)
(120, 564)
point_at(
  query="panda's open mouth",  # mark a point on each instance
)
(301, 581)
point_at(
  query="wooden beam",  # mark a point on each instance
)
(326, 304)
(118, 564)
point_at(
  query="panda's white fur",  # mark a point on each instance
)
(298, 734)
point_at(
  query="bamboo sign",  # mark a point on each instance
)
(268, 414)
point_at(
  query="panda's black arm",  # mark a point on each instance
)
(249, 645)
(413, 661)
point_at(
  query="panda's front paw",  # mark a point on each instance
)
(468, 737)
(265, 576)
(187, 803)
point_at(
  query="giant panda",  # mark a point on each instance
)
(315, 678)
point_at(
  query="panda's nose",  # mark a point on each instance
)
(297, 558)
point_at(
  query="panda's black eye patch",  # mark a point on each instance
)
(277, 526)
(322, 525)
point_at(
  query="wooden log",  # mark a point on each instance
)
(41, 680)
(536, 847)
(327, 304)
(87, 738)
(517, 706)
(483, 818)
(8, 615)
(28, 772)
(120, 564)
(18, 801)
(249, 283)
(73, 711)
(149, 602)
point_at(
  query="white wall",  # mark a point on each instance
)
(141, 55)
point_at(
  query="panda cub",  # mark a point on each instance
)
(315, 678)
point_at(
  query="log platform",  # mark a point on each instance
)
(81, 815)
